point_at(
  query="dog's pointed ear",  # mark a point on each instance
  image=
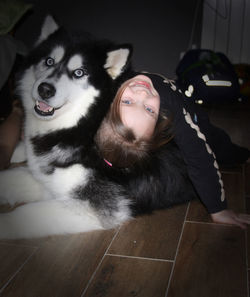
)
(49, 26)
(117, 60)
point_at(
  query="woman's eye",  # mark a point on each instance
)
(126, 101)
(49, 61)
(78, 73)
(149, 109)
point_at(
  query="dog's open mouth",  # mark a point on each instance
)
(43, 109)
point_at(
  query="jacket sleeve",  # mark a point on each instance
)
(201, 163)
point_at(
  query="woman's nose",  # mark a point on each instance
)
(139, 90)
(141, 95)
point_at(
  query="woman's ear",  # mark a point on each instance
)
(117, 60)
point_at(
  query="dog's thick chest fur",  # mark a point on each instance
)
(60, 181)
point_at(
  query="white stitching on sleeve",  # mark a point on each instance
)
(202, 136)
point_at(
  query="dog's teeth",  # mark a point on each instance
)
(50, 109)
(37, 105)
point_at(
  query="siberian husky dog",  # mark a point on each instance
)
(67, 85)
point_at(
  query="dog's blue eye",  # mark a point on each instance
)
(49, 61)
(78, 73)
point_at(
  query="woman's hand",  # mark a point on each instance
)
(230, 217)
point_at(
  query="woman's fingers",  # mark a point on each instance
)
(230, 217)
(243, 218)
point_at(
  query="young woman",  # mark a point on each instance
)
(147, 112)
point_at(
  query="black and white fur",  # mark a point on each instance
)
(66, 88)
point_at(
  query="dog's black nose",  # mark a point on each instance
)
(46, 90)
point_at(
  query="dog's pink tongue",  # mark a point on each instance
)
(44, 107)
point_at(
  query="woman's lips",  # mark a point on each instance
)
(144, 84)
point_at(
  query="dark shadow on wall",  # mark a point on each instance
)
(159, 30)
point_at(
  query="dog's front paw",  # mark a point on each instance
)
(10, 186)
(16, 224)
(19, 154)
(7, 228)
(17, 185)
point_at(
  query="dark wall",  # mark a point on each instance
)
(159, 30)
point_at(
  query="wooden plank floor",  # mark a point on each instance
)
(172, 253)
